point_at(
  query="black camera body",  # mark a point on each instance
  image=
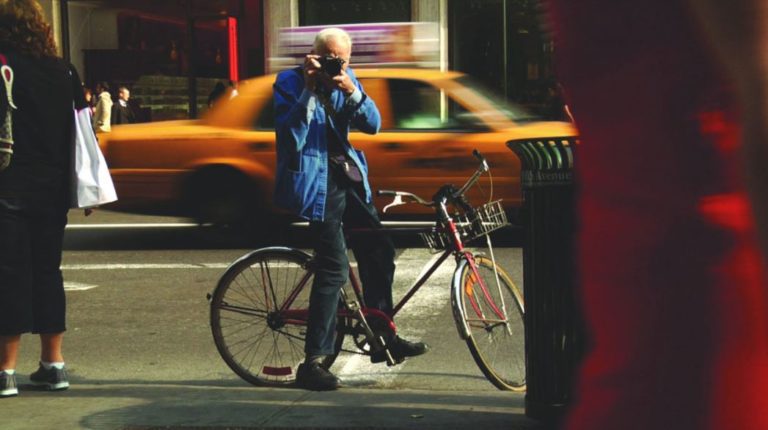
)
(331, 65)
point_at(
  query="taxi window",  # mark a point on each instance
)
(266, 118)
(417, 106)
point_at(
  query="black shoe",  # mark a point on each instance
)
(312, 376)
(52, 379)
(400, 349)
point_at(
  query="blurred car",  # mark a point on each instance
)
(219, 169)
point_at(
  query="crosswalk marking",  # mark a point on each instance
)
(430, 300)
(77, 286)
(131, 225)
(153, 266)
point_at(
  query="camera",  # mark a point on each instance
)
(331, 65)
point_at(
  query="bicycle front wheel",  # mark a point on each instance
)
(258, 315)
(490, 306)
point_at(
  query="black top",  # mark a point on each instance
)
(122, 114)
(44, 91)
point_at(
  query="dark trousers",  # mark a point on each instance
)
(31, 286)
(374, 252)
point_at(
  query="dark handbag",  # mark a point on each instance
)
(346, 166)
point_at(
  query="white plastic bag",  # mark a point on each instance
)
(91, 182)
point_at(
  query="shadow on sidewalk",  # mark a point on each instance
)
(143, 407)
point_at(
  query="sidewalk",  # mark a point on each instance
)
(131, 406)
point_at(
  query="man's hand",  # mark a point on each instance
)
(343, 83)
(311, 70)
(314, 74)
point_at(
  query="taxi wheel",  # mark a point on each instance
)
(224, 199)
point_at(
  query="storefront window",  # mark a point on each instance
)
(501, 44)
(170, 55)
(323, 12)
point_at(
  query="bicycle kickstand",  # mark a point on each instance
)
(377, 342)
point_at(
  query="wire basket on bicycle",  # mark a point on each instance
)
(481, 221)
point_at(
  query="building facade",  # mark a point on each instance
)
(173, 53)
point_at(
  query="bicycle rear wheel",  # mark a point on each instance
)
(493, 315)
(258, 315)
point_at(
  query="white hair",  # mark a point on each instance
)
(322, 38)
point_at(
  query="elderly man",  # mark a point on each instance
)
(322, 178)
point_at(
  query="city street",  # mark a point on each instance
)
(138, 314)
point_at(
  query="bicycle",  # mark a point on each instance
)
(259, 308)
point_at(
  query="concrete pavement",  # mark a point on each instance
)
(144, 405)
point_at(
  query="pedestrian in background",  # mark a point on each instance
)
(218, 91)
(102, 112)
(673, 285)
(88, 95)
(322, 178)
(34, 194)
(122, 113)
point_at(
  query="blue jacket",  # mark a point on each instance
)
(301, 180)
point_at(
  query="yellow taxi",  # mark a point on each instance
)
(220, 168)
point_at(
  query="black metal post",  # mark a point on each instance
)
(554, 332)
(191, 61)
(64, 19)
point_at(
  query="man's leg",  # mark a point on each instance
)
(330, 277)
(375, 255)
(374, 252)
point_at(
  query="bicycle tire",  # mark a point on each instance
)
(247, 330)
(497, 343)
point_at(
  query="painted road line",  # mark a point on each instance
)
(431, 299)
(144, 266)
(391, 224)
(77, 286)
(130, 225)
(157, 266)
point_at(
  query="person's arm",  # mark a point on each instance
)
(361, 109)
(294, 108)
(736, 30)
(98, 114)
(115, 115)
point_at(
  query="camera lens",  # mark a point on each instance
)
(331, 65)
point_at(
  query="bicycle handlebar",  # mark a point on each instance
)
(447, 192)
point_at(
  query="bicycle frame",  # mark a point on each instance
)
(270, 287)
(300, 316)
(358, 310)
(458, 250)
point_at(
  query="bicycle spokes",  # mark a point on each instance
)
(259, 312)
(496, 334)
(474, 283)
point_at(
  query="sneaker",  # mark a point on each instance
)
(8, 387)
(312, 376)
(52, 379)
(400, 349)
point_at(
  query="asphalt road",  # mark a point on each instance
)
(137, 309)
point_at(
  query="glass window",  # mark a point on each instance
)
(501, 44)
(322, 12)
(512, 111)
(171, 55)
(417, 105)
